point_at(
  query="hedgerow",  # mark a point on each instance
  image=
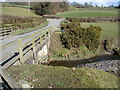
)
(18, 22)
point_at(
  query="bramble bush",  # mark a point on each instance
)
(75, 35)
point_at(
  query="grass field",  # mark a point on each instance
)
(88, 13)
(40, 76)
(109, 29)
(6, 4)
(17, 11)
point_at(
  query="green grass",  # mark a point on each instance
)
(19, 32)
(109, 29)
(5, 4)
(88, 13)
(17, 11)
(40, 76)
(56, 52)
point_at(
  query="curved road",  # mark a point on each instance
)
(6, 52)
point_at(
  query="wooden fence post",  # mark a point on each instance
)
(48, 42)
(11, 29)
(40, 48)
(33, 46)
(50, 31)
(40, 38)
(20, 50)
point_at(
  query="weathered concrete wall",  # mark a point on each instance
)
(44, 51)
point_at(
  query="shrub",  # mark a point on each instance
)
(75, 36)
(92, 38)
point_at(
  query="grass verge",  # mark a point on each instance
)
(40, 76)
(19, 32)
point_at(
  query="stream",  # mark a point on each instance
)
(108, 63)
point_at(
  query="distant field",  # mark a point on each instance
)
(88, 13)
(17, 11)
(5, 4)
(109, 29)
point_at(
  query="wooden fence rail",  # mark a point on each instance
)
(25, 49)
(5, 31)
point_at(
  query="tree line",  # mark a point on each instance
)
(90, 4)
(44, 8)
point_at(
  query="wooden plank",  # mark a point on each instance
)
(41, 31)
(27, 49)
(26, 37)
(20, 50)
(33, 45)
(8, 44)
(10, 53)
(27, 55)
(1, 81)
(38, 32)
(27, 43)
(37, 37)
(10, 62)
(37, 41)
(6, 28)
(40, 40)
(11, 82)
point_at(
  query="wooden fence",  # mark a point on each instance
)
(23, 52)
(5, 31)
